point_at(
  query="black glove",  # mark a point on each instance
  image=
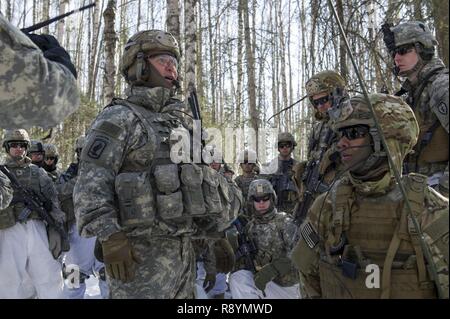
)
(52, 50)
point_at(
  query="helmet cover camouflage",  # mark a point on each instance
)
(396, 118)
(260, 188)
(150, 42)
(51, 150)
(413, 32)
(286, 137)
(324, 82)
(19, 135)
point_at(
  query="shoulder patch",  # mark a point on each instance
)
(97, 147)
(309, 235)
(442, 108)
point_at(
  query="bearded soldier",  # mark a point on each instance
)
(313, 177)
(412, 47)
(37, 79)
(144, 208)
(362, 227)
(28, 247)
(263, 269)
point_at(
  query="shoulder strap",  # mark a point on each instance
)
(415, 190)
(340, 204)
(418, 93)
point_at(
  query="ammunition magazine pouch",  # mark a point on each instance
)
(136, 198)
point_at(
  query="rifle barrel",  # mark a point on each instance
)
(49, 21)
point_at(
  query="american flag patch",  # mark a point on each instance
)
(309, 235)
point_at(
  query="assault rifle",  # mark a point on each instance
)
(34, 203)
(45, 23)
(313, 181)
(246, 246)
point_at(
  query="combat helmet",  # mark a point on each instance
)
(396, 118)
(286, 137)
(413, 33)
(134, 66)
(19, 135)
(51, 151)
(329, 82)
(36, 147)
(260, 188)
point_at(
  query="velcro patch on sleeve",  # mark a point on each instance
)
(309, 235)
(109, 128)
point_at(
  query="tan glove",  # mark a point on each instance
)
(225, 257)
(119, 257)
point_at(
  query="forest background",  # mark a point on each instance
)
(247, 59)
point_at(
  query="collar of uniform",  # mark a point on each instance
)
(432, 65)
(265, 218)
(11, 162)
(151, 98)
(373, 188)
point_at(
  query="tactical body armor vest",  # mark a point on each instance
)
(376, 231)
(28, 177)
(284, 186)
(432, 149)
(153, 191)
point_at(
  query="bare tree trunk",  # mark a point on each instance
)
(8, 10)
(282, 53)
(440, 14)
(173, 18)
(60, 27)
(254, 116)
(45, 15)
(274, 55)
(190, 41)
(199, 62)
(240, 73)
(110, 45)
(93, 60)
(418, 10)
(35, 11)
(212, 69)
(139, 16)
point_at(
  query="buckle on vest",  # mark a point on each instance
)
(411, 228)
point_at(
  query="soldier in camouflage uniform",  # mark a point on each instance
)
(280, 173)
(50, 161)
(37, 153)
(37, 83)
(248, 161)
(324, 89)
(144, 208)
(272, 235)
(361, 227)
(29, 249)
(412, 47)
(81, 253)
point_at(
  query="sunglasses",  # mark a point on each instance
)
(284, 145)
(165, 60)
(402, 50)
(50, 158)
(17, 144)
(354, 132)
(320, 101)
(261, 199)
